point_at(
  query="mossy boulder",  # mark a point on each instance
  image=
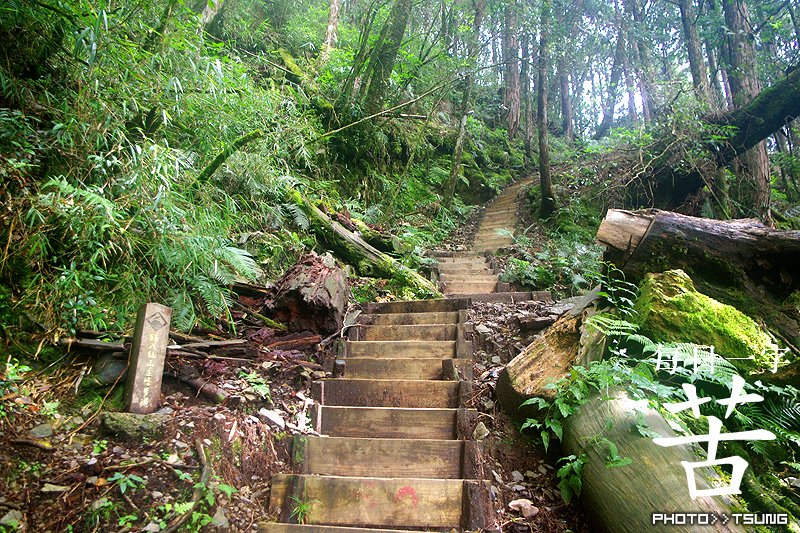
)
(131, 427)
(670, 309)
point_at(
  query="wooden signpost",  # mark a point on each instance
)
(146, 362)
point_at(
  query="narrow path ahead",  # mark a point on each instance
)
(397, 450)
(471, 272)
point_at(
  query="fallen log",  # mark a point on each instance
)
(623, 499)
(742, 263)
(367, 260)
(619, 498)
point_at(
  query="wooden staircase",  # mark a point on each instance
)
(469, 273)
(397, 450)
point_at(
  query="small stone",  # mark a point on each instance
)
(542, 469)
(152, 527)
(273, 416)
(181, 445)
(517, 476)
(530, 473)
(480, 432)
(49, 487)
(318, 374)
(99, 504)
(496, 360)
(91, 480)
(117, 450)
(13, 519)
(525, 507)
(157, 495)
(518, 488)
(165, 411)
(487, 404)
(220, 520)
(481, 328)
(793, 482)
(43, 430)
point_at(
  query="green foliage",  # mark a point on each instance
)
(256, 384)
(559, 264)
(569, 476)
(126, 481)
(302, 508)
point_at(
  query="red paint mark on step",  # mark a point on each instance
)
(407, 492)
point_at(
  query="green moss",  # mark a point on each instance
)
(290, 64)
(671, 310)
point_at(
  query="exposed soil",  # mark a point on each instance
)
(72, 479)
(518, 464)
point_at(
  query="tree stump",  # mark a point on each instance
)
(312, 296)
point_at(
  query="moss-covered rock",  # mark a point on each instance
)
(132, 427)
(671, 310)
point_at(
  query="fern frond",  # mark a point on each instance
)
(298, 216)
(611, 326)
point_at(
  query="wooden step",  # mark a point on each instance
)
(417, 306)
(449, 268)
(355, 457)
(541, 296)
(388, 393)
(400, 349)
(469, 278)
(371, 501)
(470, 287)
(400, 319)
(401, 368)
(278, 527)
(388, 422)
(416, 332)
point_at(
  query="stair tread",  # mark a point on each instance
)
(376, 457)
(373, 501)
(359, 392)
(389, 422)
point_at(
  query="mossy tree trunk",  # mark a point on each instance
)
(367, 260)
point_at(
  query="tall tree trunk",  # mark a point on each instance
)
(713, 79)
(745, 87)
(331, 31)
(548, 206)
(469, 79)
(612, 89)
(526, 97)
(795, 22)
(694, 51)
(385, 54)
(630, 85)
(511, 59)
(567, 120)
(641, 60)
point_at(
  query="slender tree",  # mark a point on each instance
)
(331, 31)
(745, 86)
(511, 93)
(694, 51)
(385, 53)
(469, 81)
(548, 206)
